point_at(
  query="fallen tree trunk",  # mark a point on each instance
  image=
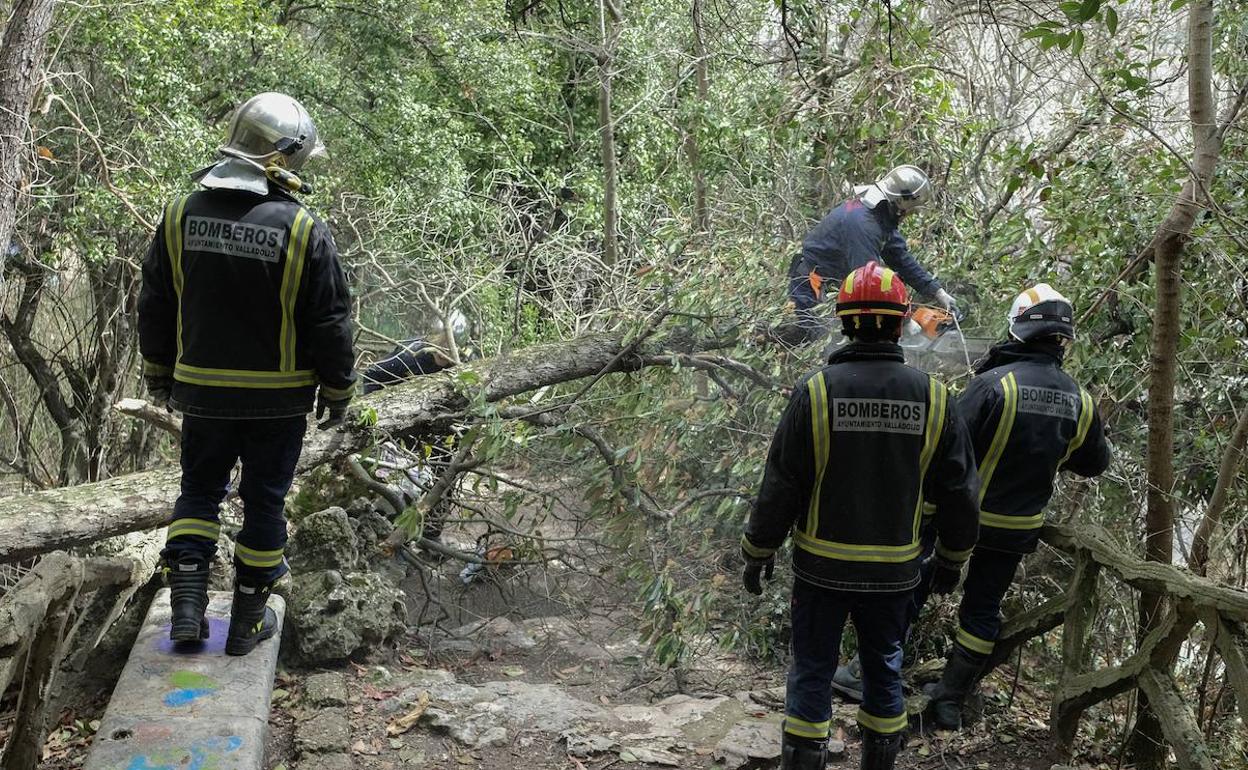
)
(61, 518)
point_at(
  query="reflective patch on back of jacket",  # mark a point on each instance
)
(234, 239)
(1048, 402)
(878, 415)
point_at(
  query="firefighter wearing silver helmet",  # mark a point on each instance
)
(862, 229)
(244, 327)
(448, 340)
(270, 138)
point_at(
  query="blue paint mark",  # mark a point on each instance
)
(198, 756)
(180, 698)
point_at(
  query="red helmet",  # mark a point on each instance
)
(873, 290)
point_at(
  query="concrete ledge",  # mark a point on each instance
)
(188, 706)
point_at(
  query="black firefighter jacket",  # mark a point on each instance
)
(1028, 420)
(861, 444)
(850, 236)
(245, 304)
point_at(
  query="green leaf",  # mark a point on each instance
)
(1111, 20)
(1177, 4)
(1035, 32)
(1071, 9)
(1076, 42)
(1087, 10)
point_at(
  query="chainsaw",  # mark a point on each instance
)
(933, 341)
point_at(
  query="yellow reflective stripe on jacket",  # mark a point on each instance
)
(155, 369)
(337, 394)
(173, 245)
(827, 549)
(974, 643)
(821, 432)
(998, 521)
(937, 400)
(242, 378)
(289, 293)
(883, 725)
(1009, 386)
(954, 556)
(754, 551)
(803, 729)
(253, 558)
(1086, 412)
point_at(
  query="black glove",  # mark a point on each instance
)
(945, 575)
(754, 573)
(160, 388)
(337, 411)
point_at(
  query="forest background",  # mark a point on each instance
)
(560, 167)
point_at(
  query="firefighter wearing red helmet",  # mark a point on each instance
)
(861, 444)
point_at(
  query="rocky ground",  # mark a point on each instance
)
(550, 693)
(376, 676)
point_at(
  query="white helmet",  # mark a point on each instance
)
(1041, 311)
(906, 186)
(269, 129)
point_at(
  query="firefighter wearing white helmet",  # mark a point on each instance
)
(862, 229)
(1028, 421)
(1041, 311)
(244, 327)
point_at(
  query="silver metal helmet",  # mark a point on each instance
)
(460, 328)
(269, 129)
(906, 186)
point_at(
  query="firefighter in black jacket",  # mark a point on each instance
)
(1028, 420)
(888, 435)
(413, 358)
(244, 321)
(866, 227)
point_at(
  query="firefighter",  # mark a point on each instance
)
(1028, 420)
(244, 325)
(413, 358)
(862, 229)
(890, 436)
(421, 355)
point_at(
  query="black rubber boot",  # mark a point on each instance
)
(879, 752)
(847, 681)
(251, 620)
(945, 709)
(187, 579)
(802, 753)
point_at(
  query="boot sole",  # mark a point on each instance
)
(188, 630)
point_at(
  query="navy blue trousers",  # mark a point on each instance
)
(819, 616)
(269, 450)
(988, 578)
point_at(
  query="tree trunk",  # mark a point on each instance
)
(701, 211)
(66, 517)
(1148, 743)
(607, 18)
(21, 58)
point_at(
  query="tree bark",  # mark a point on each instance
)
(607, 18)
(1148, 742)
(21, 59)
(62, 518)
(1228, 471)
(693, 152)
